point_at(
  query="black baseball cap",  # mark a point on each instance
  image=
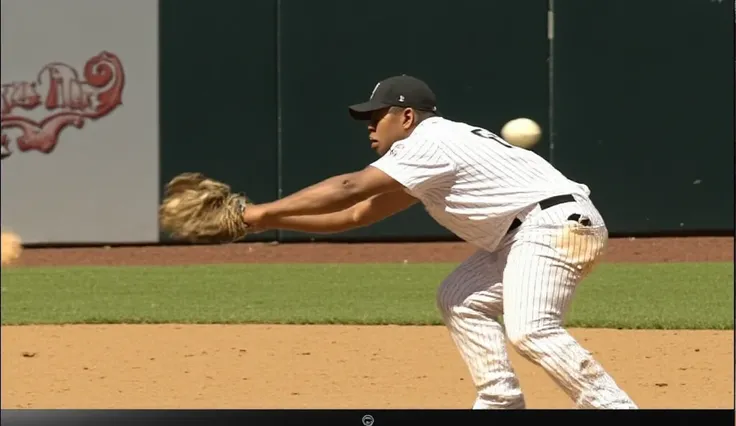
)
(401, 91)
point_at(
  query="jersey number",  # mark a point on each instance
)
(483, 133)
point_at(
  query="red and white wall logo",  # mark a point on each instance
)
(34, 113)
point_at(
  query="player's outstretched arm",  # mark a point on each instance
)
(331, 195)
(366, 212)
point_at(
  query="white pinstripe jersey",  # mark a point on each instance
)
(471, 181)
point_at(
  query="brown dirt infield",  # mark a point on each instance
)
(249, 366)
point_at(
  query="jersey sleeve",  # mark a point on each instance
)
(418, 164)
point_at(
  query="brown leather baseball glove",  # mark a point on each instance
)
(200, 209)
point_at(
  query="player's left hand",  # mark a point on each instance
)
(201, 209)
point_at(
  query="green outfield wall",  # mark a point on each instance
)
(636, 99)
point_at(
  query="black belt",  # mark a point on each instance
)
(545, 204)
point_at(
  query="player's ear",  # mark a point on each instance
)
(408, 118)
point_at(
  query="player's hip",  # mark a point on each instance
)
(571, 232)
(559, 211)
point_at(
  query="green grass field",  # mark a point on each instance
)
(653, 296)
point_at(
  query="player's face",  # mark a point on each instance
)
(385, 128)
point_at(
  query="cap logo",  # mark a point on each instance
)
(374, 90)
(401, 98)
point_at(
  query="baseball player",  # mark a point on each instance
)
(538, 234)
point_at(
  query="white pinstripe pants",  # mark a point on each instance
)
(530, 281)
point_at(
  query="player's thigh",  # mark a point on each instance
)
(476, 283)
(544, 267)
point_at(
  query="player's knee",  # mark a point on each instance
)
(517, 337)
(530, 342)
(449, 297)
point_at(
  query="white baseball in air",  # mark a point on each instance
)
(522, 132)
(11, 247)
